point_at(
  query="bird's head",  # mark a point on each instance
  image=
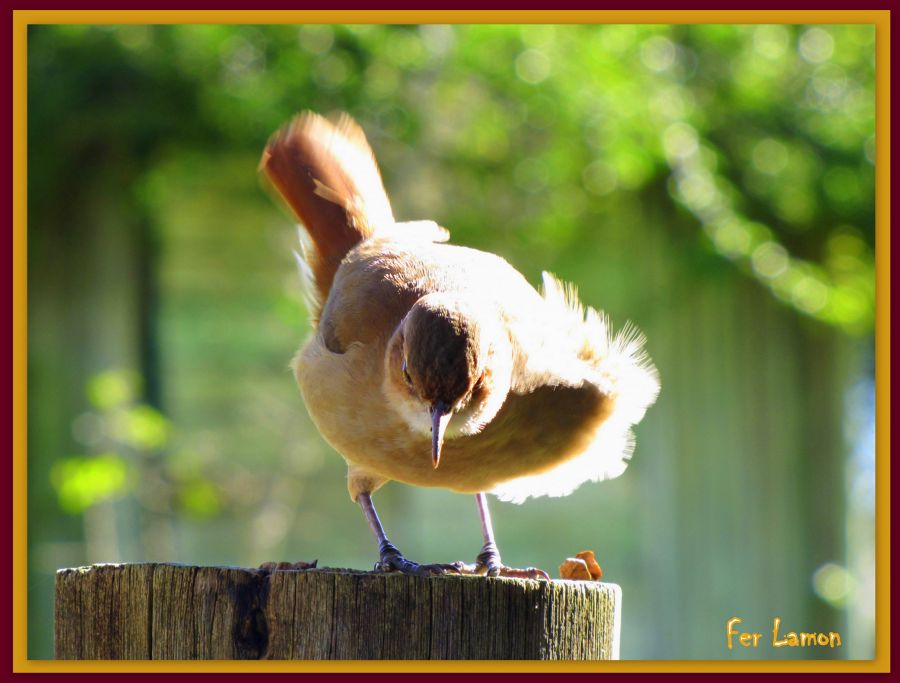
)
(448, 368)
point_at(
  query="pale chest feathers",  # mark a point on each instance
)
(530, 434)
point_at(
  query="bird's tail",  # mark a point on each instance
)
(327, 174)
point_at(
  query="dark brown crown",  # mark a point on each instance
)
(441, 349)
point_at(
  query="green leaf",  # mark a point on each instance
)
(81, 482)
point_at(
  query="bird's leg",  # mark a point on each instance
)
(390, 559)
(488, 560)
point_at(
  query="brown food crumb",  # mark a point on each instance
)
(591, 562)
(575, 569)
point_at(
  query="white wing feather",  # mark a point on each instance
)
(618, 365)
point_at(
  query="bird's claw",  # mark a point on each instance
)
(392, 561)
(404, 566)
(488, 564)
(494, 570)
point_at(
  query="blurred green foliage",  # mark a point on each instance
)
(686, 177)
(83, 482)
(132, 443)
(764, 133)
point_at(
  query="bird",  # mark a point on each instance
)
(439, 365)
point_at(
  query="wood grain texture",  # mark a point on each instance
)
(168, 611)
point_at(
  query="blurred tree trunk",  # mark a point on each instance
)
(748, 465)
(90, 295)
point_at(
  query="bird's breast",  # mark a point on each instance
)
(532, 433)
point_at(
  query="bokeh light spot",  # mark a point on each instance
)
(599, 178)
(816, 45)
(833, 583)
(680, 140)
(316, 39)
(810, 294)
(770, 156)
(658, 53)
(769, 260)
(533, 66)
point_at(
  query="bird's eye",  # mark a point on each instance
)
(406, 374)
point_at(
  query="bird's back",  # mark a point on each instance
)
(380, 280)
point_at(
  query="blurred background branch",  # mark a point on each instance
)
(715, 184)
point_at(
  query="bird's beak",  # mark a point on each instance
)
(440, 417)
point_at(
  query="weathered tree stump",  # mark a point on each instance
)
(168, 611)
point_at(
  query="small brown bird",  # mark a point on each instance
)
(439, 365)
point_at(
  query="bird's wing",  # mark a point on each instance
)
(575, 374)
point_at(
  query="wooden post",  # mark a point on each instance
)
(168, 611)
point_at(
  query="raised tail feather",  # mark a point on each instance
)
(327, 174)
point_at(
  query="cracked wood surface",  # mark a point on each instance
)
(169, 611)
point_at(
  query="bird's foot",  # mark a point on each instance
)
(269, 567)
(488, 564)
(392, 561)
